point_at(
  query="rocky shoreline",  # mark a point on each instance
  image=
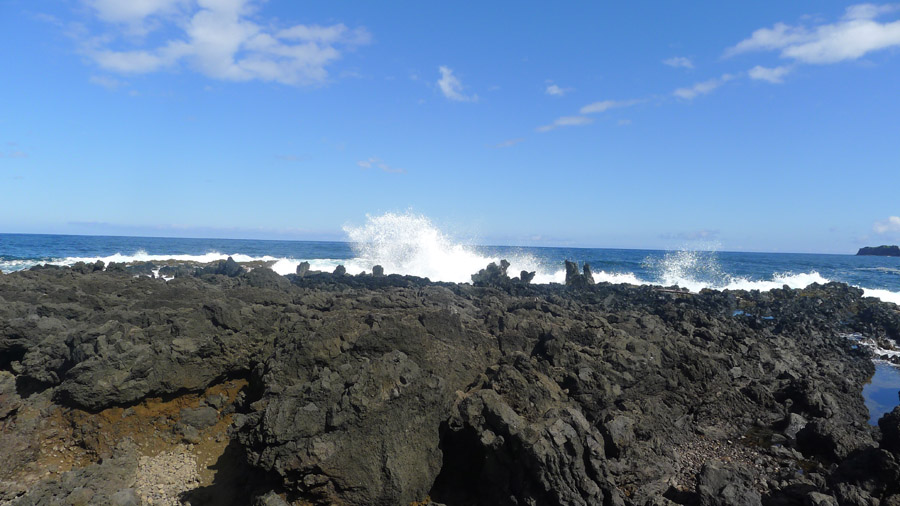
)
(219, 385)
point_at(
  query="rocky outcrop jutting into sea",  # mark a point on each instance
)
(880, 251)
(383, 390)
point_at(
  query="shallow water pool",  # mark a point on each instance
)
(881, 393)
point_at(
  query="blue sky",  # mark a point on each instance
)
(759, 126)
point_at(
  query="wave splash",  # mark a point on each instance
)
(408, 243)
(411, 244)
(696, 270)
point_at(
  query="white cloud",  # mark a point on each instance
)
(508, 143)
(606, 105)
(892, 224)
(702, 88)
(107, 82)
(853, 36)
(218, 39)
(134, 12)
(556, 91)
(679, 61)
(379, 163)
(772, 75)
(566, 121)
(451, 86)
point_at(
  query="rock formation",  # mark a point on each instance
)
(386, 390)
(881, 251)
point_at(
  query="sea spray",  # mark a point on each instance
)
(691, 269)
(409, 243)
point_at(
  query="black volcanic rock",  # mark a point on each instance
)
(890, 431)
(881, 251)
(389, 389)
(576, 279)
(493, 274)
(226, 267)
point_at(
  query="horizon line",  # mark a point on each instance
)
(473, 245)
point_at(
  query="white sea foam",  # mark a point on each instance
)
(143, 256)
(875, 346)
(408, 243)
(885, 295)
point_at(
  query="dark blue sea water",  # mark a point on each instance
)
(883, 392)
(427, 253)
(412, 245)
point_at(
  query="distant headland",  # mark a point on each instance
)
(880, 251)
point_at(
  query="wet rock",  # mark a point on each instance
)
(227, 267)
(302, 269)
(526, 276)
(576, 279)
(377, 271)
(588, 275)
(340, 270)
(493, 274)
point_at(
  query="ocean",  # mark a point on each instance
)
(409, 244)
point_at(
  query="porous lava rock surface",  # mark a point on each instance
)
(386, 390)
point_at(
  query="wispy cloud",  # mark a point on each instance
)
(137, 15)
(856, 34)
(451, 86)
(556, 91)
(702, 88)
(109, 83)
(508, 143)
(216, 38)
(892, 224)
(375, 162)
(772, 75)
(566, 121)
(290, 158)
(605, 105)
(679, 61)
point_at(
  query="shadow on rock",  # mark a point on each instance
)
(235, 483)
